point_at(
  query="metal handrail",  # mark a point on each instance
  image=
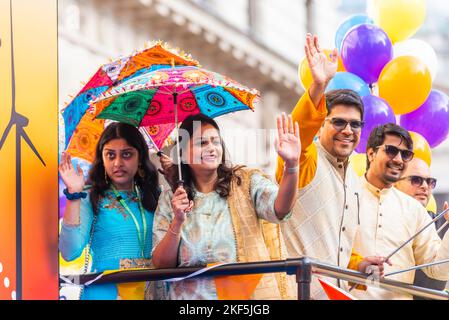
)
(303, 268)
(363, 279)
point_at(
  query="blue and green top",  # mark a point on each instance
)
(114, 239)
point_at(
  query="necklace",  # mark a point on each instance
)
(142, 213)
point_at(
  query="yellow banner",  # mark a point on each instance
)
(28, 149)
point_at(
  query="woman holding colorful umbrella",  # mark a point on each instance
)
(224, 213)
(114, 217)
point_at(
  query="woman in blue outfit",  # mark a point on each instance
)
(115, 214)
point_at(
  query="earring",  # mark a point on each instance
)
(106, 177)
(141, 172)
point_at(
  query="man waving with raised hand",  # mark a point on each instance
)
(326, 215)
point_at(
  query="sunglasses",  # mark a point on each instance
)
(340, 124)
(393, 151)
(418, 181)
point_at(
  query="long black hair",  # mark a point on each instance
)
(226, 172)
(148, 184)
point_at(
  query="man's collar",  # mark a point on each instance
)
(338, 164)
(373, 189)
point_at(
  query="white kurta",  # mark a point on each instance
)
(325, 217)
(388, 218)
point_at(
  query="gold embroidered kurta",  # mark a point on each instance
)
(325, 216)
(388, 218)
(240, 228)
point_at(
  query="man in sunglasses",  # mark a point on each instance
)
(326, 215)
(389, 217)
(418, 183)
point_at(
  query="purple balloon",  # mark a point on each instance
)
(377, 112)
(347, 25)
(431, 120)
(365, 51)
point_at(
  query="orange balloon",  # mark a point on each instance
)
(305, 75)
(421, 147)
(405, 83)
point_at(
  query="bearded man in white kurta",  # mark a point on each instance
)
(388, 217)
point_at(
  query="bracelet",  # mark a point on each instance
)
(74, 196)
(172, 232)
(292, 170)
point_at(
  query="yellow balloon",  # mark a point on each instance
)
(405, 83)
(432, 205)
(305, 75)
(421, 148)
(400, 19)
(358, 163)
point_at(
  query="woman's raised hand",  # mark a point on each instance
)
(73, 178)
(288, 144)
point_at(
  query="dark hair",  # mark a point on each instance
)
(378, 134)
(344, 97)
(226, 172)
(148, 184)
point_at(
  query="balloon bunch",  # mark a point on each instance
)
(391, 72)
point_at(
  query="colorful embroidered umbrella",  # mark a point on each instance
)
(82, 131)
(169, 95)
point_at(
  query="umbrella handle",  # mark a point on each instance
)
(160, 154)
(180, 183)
